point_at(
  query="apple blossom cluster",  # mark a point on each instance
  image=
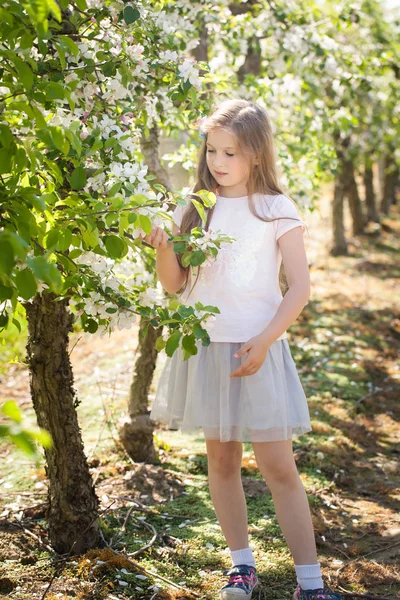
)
(207, 322)
(207, 242)
(118, 280)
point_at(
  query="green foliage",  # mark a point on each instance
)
(23, 436)
(73, 199)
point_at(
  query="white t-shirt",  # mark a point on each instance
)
(243, 281)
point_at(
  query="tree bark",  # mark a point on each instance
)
(252, 61)
(351, 191)
(370, 197)
(200, 53)
(339, 247)
(73, 504)
(391, 175)
(137, 433)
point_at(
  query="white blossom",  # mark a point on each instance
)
(168, 55)
(150, 297)
(331, 65)
(188, 72)
(135, 51)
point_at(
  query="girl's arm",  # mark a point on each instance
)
(297, 273)
(171, 275)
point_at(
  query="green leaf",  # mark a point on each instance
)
(114, 189)
(61, 54)
(200, 210)
(5, 161)
(11, 409)
(144, 222)
(172, 343)
(55, 9)
(207, 308)
(17, 324)
(179, 247)
(116, 247)
(38, 203)
(199, 332)
(110, 219)
(26, 284)
(132, 217)
(64, 240)
(197, 258)
(54, 91)
(91, 238)
(57, 137)
(5, 292)
(3, 319)
(139, 198)
(185, 311)
(131, 14)
(26, 41)
(24, 72)
(68, 43)
(6, 257)
(20, 159)
(160, 343)
(20, 246)
(111, 142)
(189, 344)
(75, 142)
(51, 239)
(6, 136)
(81, 4)
(45, 271)
(42, 436)
(22, 441)
(186, 258)
(91, 326)
(78, 178)
(207, 197)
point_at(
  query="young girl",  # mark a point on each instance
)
(244, 386)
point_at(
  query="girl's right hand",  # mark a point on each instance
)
(158, 238)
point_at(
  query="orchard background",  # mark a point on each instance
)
(100, 103)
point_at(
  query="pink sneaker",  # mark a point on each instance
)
(319, 594)
(242, 581)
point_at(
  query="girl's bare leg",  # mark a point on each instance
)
(276, 463)
(226, 491)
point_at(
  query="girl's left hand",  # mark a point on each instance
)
(257, 347)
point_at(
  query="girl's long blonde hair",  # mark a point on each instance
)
(251, 125)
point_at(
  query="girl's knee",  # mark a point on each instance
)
(283, 474)
(225, 458)
(276, 462)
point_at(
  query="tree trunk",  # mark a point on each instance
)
(351, 191)
(391, 175)
(252, 61)
(381, 177)
(73, 504)
(137, 433)
(339, 247)
(200, 53)
(370, 198)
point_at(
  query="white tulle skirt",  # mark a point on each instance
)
(198, 393)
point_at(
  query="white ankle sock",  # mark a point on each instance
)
(309, 576)
(243, 557)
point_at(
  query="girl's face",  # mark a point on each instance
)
(228, 165)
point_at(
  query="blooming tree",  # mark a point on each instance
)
(82, 83)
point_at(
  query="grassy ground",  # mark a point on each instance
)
(345, 344)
